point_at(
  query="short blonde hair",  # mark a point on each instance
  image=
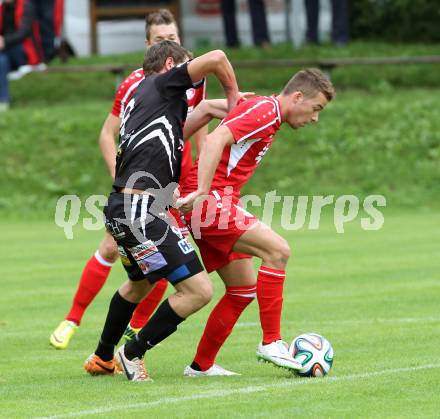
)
(310, 82)
(161, 17)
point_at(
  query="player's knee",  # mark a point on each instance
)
(133, 291)
(109, 251)
(284, 250)
(279, 253)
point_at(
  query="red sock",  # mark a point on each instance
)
(220, 323)
(148, 305)
(270, 300)
(93, 277)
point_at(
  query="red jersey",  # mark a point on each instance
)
(126, 91)
(253, 123)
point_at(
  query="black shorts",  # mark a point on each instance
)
(149, 245)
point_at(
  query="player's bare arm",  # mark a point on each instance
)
(107, 138)
(215, 62)
(203, 114)
(209, 158)
(199, 138)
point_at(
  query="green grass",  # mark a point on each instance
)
(374, 295)
(365, 143)
(380, 136)
(55, 88)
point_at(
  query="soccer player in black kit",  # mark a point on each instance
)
(147, 172)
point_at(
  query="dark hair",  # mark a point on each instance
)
(156, 56)
(161, 17)
(310, 82)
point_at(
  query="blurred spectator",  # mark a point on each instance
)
(258, 18)
(18, 46)
(339, 21)
(50, 16)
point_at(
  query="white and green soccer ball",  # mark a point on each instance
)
(314, 352)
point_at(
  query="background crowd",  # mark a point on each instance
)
(31, 33)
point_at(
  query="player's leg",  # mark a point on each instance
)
(148, 305)
(155, 251)
(191, 294)
(93, 277)
(239, 279)
(229, 23)
(260, 31)
(121, 308)
(263, 242)
(145, 309)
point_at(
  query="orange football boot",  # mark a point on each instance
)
(94, 365)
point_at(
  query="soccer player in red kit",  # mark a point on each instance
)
(159, 26)
(227, 235)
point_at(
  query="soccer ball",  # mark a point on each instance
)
(315, 354)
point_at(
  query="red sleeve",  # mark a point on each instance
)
(252, 120)
(116, 110)
(125, 91)
(199, 94)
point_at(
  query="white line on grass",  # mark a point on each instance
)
(355, 322)
(244, 390)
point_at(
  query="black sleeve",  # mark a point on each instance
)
(174, 82)
(25, 28)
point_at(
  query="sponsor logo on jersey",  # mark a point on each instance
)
(190, 93)
(185, 246)
(115, 229)
(143, 250)
(152, 263)
(177, 232)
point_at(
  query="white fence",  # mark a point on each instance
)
(128, 35)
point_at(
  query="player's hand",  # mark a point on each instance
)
(176, 196)
(187, 203)
(244, 96)
(2, 42)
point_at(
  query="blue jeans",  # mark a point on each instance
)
(10, 59)
(4, 70)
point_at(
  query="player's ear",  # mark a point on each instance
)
(297, 97)
(147, 44)
(169, 63)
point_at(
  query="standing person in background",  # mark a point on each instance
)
(18, 46)
(49, 14)
(160, 26)
(339, 21)
(260, 32)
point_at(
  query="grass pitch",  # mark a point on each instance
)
(374, 295)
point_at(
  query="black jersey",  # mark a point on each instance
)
(151, 137)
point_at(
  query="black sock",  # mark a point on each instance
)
(195, 366)
(118, 316)
(163, 323)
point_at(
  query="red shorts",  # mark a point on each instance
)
(216, 225)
